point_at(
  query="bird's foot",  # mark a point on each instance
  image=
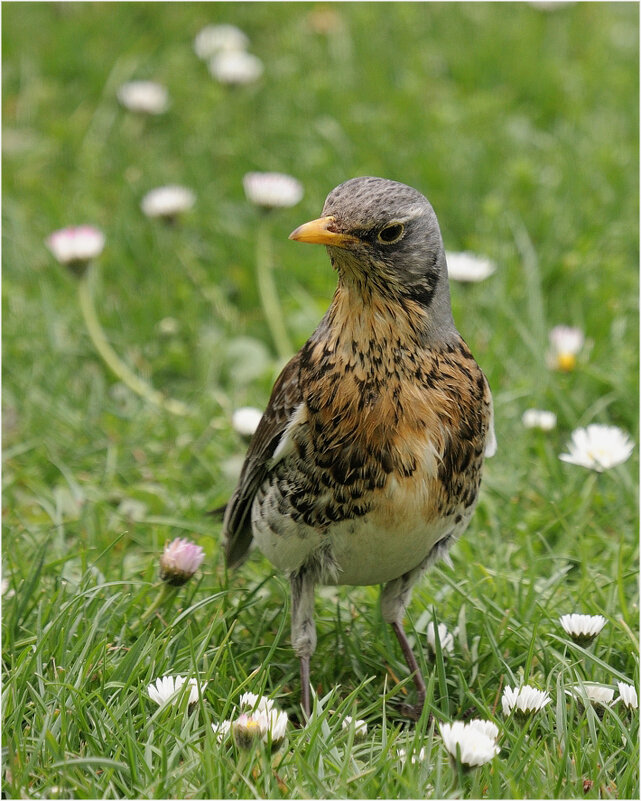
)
(411, 711)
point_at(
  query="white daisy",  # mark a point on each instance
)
(256, 702)
(539, 418)
(144, 97)
(486, 727)
(475, 746)
(600, 694)
(360, 726)
(445, 638)
(167, 201)
(523, 699)
(165, 689)
(235, 67)
(245, 420)
(276, 722)
(582, 628)
(272, 189)
(628, 695)
(76, 244)
(221, 730)
(598, 447)
(415, 758)
(214, 38)
(468, 267)
(565, 344)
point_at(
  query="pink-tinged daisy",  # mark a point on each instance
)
(262, 724)
(76, 246)
(179, 561)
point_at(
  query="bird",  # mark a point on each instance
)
(366, 464)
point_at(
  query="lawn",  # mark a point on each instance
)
(521, 126)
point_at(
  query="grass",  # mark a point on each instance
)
(522, 128)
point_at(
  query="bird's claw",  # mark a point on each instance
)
(411, 711)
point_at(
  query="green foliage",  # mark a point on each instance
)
(522, 129)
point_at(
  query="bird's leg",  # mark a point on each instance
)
(394, 600)
(303, 628)
(412, 711)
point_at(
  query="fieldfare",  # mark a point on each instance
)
(366, 466)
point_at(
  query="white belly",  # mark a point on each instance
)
(371, 549)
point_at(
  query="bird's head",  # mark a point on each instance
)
(383, 237)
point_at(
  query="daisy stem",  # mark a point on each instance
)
(587, 494)
(267, 291)
(111, 358)
(165, 595)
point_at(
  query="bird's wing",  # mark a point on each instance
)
(285, 399)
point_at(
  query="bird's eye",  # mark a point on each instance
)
(391, 233)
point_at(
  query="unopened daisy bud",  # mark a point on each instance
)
(628, 695)
(144, 97)
(245, 420)
(445, 638)
(523, 700)
(235, 67)
(248, 729)
(565, 344)
(468, 267)
(539, 418)
(272, 190)
(360, 726)
(415, 758)
(76, 246)
(167, 202)
(582, 628)
(179, 561)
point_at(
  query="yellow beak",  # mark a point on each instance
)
(318, 232)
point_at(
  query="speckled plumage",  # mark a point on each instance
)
(367, 463)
